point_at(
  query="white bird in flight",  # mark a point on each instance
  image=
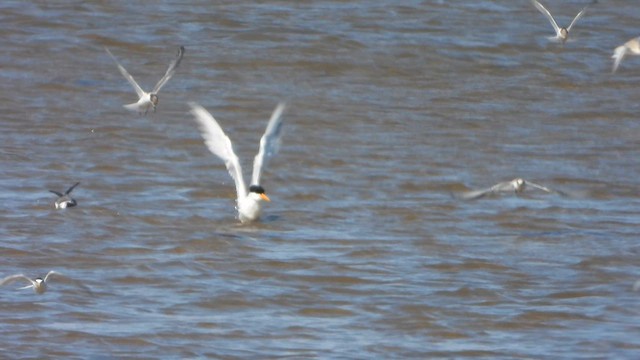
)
(517, 186)
(248, 203)
(39, 285)
(562, 34)
(148, 100)
(65, 200)
(631, 47)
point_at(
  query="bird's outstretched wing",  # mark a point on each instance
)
(170, 71)
(220, 145)
(618, 54)
(71, 188)
(67, 279)
(546, 189)
(473, 194)
(476, 194)
(269, 143)
(51, 273)
(580, 14)
(13, 278)
(546, 13)
(127, 76)
(57, 193)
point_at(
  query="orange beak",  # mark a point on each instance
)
(265, 197)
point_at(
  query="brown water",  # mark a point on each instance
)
(363, 252)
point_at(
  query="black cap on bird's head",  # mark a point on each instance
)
(260, 191)
(154, 99)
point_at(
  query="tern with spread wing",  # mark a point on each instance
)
(516, 186)
(562, 34)
(65, 200)
(248, 203)
(39, 285)
(148, 100)
(631, 47)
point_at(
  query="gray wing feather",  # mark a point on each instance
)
(71, 188)
(220, 145)
(546, 13)
(546, 189)
(14, 278)
(269, 143)
(575, 19)
(127, 76)
(170, 71)
(476, 194)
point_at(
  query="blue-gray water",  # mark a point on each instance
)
(363, 251)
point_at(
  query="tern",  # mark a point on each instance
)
(148, 100)
(631, 47)
(517, 186)
(561, 33)
(39, 285)
(248, 203)
(65, 200)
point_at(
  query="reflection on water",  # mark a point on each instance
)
(363, 250)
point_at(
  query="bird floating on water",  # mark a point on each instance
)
(517, 186)
(248, 203)
(39, 285)
(148, 100)
(562, 34)
(631, 47)
(65, 200)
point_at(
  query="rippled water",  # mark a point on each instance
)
(363, 252)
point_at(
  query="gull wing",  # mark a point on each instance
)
(546, 189)
(14, 278)
(51, 273)
(57, 193)
(71, 188)
(269, 143)
(575, 19)
(220, 145)
(127, 76)
(503, 186)
(546, 13)
(476, 194)
(170, 71)
(618, 54)
(64, 278)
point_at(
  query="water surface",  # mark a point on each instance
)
(363, 252)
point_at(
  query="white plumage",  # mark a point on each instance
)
(147, 100)
(248, 202)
